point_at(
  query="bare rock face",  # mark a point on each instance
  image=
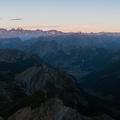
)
(53, 109)
(55, 82)
(21, 114)
(37, 78)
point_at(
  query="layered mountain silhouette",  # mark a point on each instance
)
(24, 88)
(39, 75)
(15, 61)
(75, 60)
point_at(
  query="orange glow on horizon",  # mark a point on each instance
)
(86, 29)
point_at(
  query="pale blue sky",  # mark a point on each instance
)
(65, 15)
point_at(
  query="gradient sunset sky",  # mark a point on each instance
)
(64, 15)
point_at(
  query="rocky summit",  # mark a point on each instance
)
(53, 109)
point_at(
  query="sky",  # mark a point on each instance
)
(63, 15)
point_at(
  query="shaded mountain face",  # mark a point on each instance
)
(24, 74)
(15, 84)
(56, 111)
(58, 84)
(41, 77)
(105, 82)
(52, 82)
(9, 43)
(49, 109)
(75, 60)
(14, 61)
(92, 52)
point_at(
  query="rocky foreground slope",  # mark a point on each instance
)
(53, 109)
(23, 90)
(56, 83)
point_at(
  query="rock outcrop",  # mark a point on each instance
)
(54, 82)
(42, 77)
(53, 109)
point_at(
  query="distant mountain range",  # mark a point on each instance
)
(26, 34)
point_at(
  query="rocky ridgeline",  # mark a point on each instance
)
(53, 109)
(12, 56)
(53, 81)
(35, 76)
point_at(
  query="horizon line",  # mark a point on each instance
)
(33, 29)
